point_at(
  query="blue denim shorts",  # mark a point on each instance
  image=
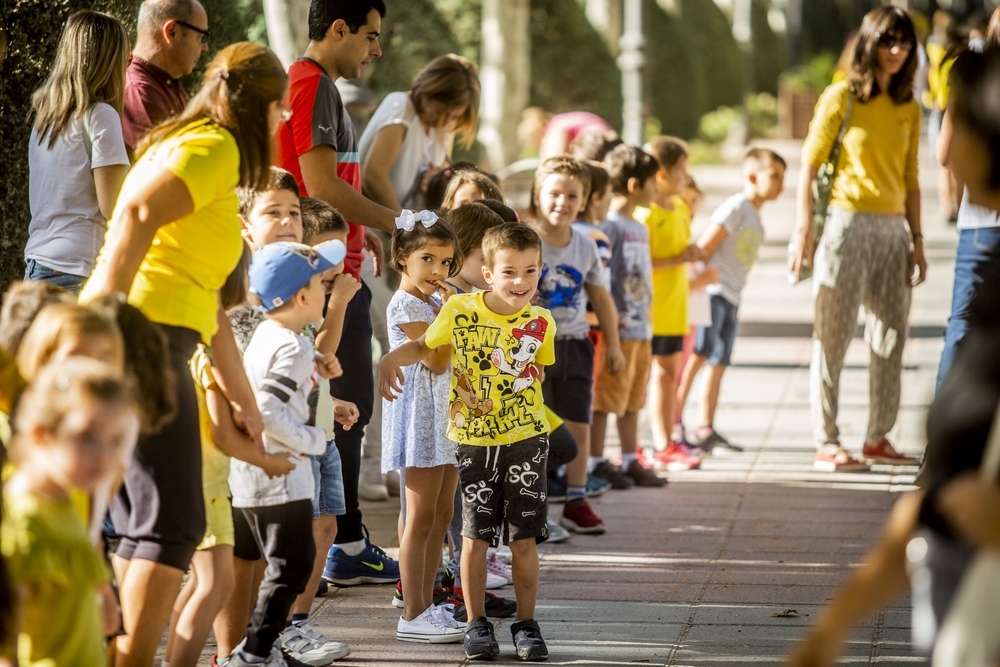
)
(35, 271)
(328, 495)
(715, 342)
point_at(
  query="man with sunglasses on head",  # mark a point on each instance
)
(172, 35)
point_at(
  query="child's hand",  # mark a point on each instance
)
(110, 611)
(390, 379)
(446, 290)
(278, 465)
(345, 413)
(344, 287)
(615, 360)
(693, 253)
(328, 366)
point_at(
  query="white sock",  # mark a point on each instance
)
(592, 462)
(352, 548)
(627, 459)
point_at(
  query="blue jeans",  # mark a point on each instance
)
(328, 497)
(36, 271)
(977, 249)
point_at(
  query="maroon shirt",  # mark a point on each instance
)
(151, 97)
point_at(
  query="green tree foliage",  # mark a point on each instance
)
(464, 18)
(34, 28)
(710, 35)
(572, 68)
(413, 34)
(675, 75)
(770, 57)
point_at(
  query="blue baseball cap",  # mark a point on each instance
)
(279, 270)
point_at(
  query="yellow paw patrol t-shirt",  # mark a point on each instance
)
(496, 393)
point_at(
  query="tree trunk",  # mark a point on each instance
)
(606, 17)
(505, 74)
(287, 28)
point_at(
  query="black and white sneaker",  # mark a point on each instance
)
(480, 642)
(528, 641)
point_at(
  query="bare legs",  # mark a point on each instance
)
(206, 593)
(147, 591)
(663, 398)
(324, 533)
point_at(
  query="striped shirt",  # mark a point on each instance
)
(734, 256)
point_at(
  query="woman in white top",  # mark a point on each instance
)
(76, 155)
(410, 135)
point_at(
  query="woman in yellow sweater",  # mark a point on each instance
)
(871, 252)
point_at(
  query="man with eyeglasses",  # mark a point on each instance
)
(172, 35)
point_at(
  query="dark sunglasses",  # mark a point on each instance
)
(891, 41)
(205, 34)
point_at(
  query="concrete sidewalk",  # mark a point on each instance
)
(693, 574)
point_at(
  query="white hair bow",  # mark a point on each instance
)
(407, 220)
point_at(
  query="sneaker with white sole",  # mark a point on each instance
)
(428, 628)
(303, 643)
(498, 568)
(834, 458)
(557, 533)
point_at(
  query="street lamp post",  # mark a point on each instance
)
(630, 62)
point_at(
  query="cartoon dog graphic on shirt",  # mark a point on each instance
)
(522, 368)
(467, 397)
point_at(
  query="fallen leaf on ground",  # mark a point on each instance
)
(787, 613)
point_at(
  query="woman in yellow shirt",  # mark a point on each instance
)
(172, 241)
(871, 252)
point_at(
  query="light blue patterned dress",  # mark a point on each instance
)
(414, 425)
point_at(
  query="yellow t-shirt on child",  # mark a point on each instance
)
(190, 258)
(669, 235)
(496, 395)
(47, 550)
(214, 462)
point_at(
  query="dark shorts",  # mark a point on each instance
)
(569, 383)
(160, 510)
(715, 342)
(246, 543)
(664, 346)
(503, 491)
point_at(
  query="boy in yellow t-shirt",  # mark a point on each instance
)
(668, 220)
(499, 342)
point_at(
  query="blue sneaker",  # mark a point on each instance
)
(556, 490)
(371, 566)
(596, 486)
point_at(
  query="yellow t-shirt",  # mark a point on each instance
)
(214, 462)
(878, 161)
(554, 420)
(190, 258)
(47, 550)
(496, 397)
(669, 234)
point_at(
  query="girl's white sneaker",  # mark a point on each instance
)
(430, 627)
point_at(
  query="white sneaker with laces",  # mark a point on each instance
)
(557, 533)
(304, 644)
(446, 611)
(428, 628)
(497, 567)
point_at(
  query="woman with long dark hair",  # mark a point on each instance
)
(871, 252)
(172, 241)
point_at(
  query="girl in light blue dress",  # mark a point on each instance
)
(414, 427)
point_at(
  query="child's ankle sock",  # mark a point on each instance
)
(704, 431)
(628, 458)
(251, 658)
(299, 619)
(576, 493)
(677, 433)
(593, 462)
(352, 548)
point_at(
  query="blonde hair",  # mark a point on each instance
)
(486, 185)
(89, 67)
(57, 324)
(565, 165)
(668, 151)
(454, 82)
(236, 93)
(58, 390)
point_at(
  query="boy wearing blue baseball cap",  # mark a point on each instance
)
(286, 283)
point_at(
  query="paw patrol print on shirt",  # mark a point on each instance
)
(496, 396)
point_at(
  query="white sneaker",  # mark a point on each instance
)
(557, 533)
(497, 567)
(429, 628)
(304, 644)
(494, 580)
(370, 486)
(446, 610)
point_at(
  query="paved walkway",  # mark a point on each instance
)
(693, 574)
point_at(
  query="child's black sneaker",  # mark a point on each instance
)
(496, 607)
(528, 641)
(480, 642)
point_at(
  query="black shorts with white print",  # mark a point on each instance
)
(503, 491)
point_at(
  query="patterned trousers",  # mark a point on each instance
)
(862, 259)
